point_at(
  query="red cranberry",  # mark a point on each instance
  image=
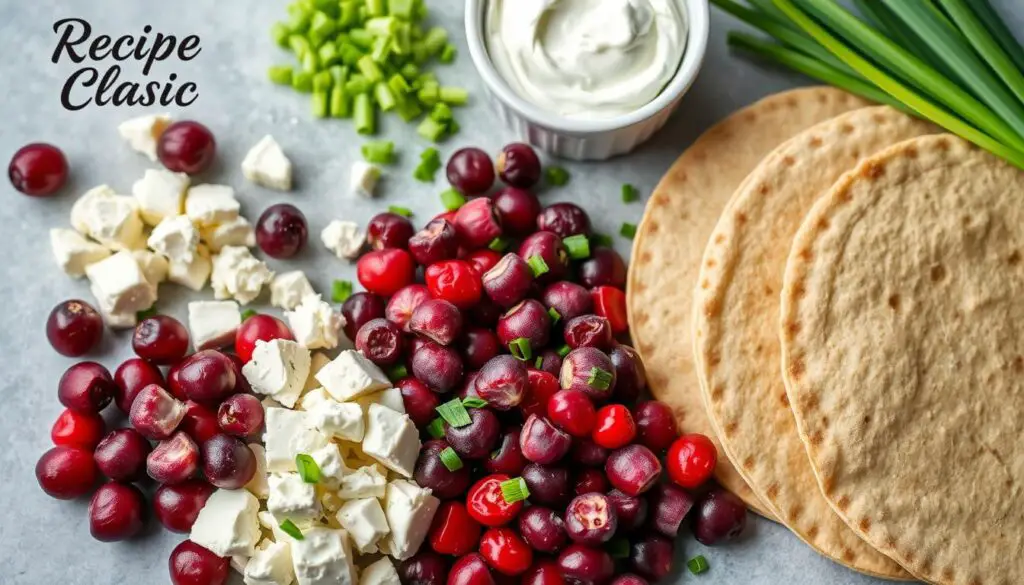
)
(633, 469)
(78, 429)
(629, 579)
(186, 147)
(545, 572)
(564, 219)
(721, 517)
(503, 381)
(380, 341)
(360, 308)
(568, 298)
(178, 506)
(453, 531)
(507, 458)
(438, 366)
(478, 438)
(518, 209)
(589, 370)
(117, 512)
(528, 320)
(426, 568)
(631, 511)
(434, 243)
(471, 570)
(432, 474)
(132, 376)
(173, 460)
(404, 303)
(66, 473)
(543, 529)
(610, 303)
(584, 565)
(200, 422)
(588, 453)
(454, 281)
(652, 557)
(38, 169)
(385, 272)
(487, 505)
(240, 415)
(191, 564)
(121, 455)
(419, 400)
(505, 551)
(86, 387)
(549, 486)
(590, 481)
(161, 340)
(518, 165)
(228, 463)
(207, 376)
(588, 331)
(549, 248)
(614, 427)
(74, 328)
(590, 519)
(572, 411)
(604, 267)
(541, 387)
(630, 375)
(479, 345)
(470, 171)
(155, 413)
(691, 460)
(669, 507)
(477, 223)
(483, 259)
(281, 231)
(655, 425)
(389, 230)
(437, 320)
(542, 442)
(509, 281)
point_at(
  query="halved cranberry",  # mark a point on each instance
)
(438, 366)
(610, 303)
(131, 376)
(228, 463)
(389, 230)
(431, 473)
(173, 460)
(589, 370)
(518, 209)
(240, 415)
(191, 564)
(569, 299)
(121, 455)
(549, 247)
(590, 481)
(453, 531)
(483, 259)
(509, 281)
(74, 328)
(404, 303)
(199, 422)
(117, 512)
(507, 458)
(477, 439)
(437, 320)
(604, 268)
(572, 411)
(528, 320)
(588, 453)
(590, 519)
(630, 375)
(585, 565)
(38, 169)
(652, 557)
(86, 387)
(518, 165)
(656, 426)
(160, 339)
(419, 400)
(360, 308)
(545, 572)
(564, 219)
(380, 341)
(66, 473)
(505, 551)
(588, 331)
(178, 506)
(426, 568)
(669, 507)
(502, 382)
(633, 469)
(155, 413)
(548, 485)
(186, 147)
(543, 529)
(542, 442)
(487, 505)
(470, 171)
(259, 327)
(614, 427)
(434, 243)
(471, 569)
(542, 385)
(479, 345)
(631, 511)
(477, 223)
(385, 272)
(721, 517)
(207, 376)
(455, 281)
(78, 429)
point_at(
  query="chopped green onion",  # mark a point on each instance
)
(628, 230)
(381, 152)
(248, 313)
(600, 379)
(436, 428)
(362, 111)
(555, 315)
(539, 362)
(150, 312)
(455, 96)
(697, 565)
(375, 7)
(403, 211)
(514, 490)
(435, 40)
(302, 81)
(299, 45)
(538, 265)
(410, 72)
(401, 8)
(360, 38)
(340, 75)
(618, 548)
(452, 200)
(279, 32)
(441, 113)
(289, 528)
(308, 470)
(432, 130)
(341, 106)
(358, 84)
(556, 176)
(321, 103)
(328, 54)
(601, 240)
(454, 413)
(384, 26)
(323, 81)
(409, 110)
(498, 244)
(430, 163)
(448, 54)
(629, 193)
(564, 350)
(385, 97)
(474, 402)
(321, 27)
(381, 50)
(578, 246)
(520, 349)
(341, 290)
(280, 74)
(429, 94)
(450, 459)
(453, 127)
(399, 85)
(369, 68)
(397, 372)
(350, 54)
(310, 62)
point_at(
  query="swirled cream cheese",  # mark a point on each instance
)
(586, 59)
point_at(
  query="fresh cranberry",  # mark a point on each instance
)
(86, 387)
(117, 512)
(656, 427)
(74, 328)
(228, 463)
(518, 165)
(281, 231)
(437, 320)
(549, 248)
(542, 442)
(588, 453)
(155, 413)
(564, 219)
(691, 460)
(477, 439)
(66, 473)
(160, 339)
(38, 169)
(630, 375)
(404, 303)
(431, 473)
(199, 422)
(548, 485)
(568, 298)
(426, 568)
(505, 551)
(173, 460)
(240, 415)
(572, 411)
(385, 272)
(590, 370)
(487, 505)
(528, 320)
(207, 376)
(360, 308)
(721, 517)
(669, 507)
(588, 331)
(631, 511)
(543, 529)
(509, 281)
(590, 519)
(78, 429)
(478, 345)
(178, 506)
(259, 327)
(419, 401)
(471, 569)
(545, 572)
(652, 557)
(629, 579)
(438, 366)
(502, 382)
(604, 268)
(191, 564)
(507, 458)
(541, 386)
(518, 209)
(590, 481)
(633, 469)
(477, 223)
(483, 260)
(434, 243)
(453, 531)
(121, 455)
(454, 281)
(585, 565)
(186, 147)
(470, 171)
(132, 376)
(389, 230)
(614, 427)
(610, 303)
(380, 341)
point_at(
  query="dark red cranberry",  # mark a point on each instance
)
(564, 219)
(528, 320)
(131, 377)
(630, 375)
(426, 568)
(509, 281)
(655, 425)
(584, 565)
(477, 223)
(206, 377)
(573, 412)
(503, 382)
(117, 512)
(542, 442)
(470, 171)
(404, 303)
(544, 572)
(721, 517)
(471, 569)
(588, 331)
(191, 564)
(228, 463)
(590, 481)
(670, 505)
(589, 370)
(437, 366)
(590, 519)
(467, 389)
(86, 387)
(282, 231)
(507, 458)
(477, 439)
(588, 453)
(186, 147)
(38, 169)
(548, 485)
(478, 345)
(569, 299)
(518, 209)
(518, 165)
(419, 400)
(437, 320)
(543, 529)
(652, 557)
(121, 455)
(74, 328)
(633, 469)
(389, 230)
(199, 422)
(66, 473)
(432, 474)
(629, 579)
(380, 341)
(550, 362)
(434, 243)
(178, 506)
(631, 511)
(549, 248)
(604, 267)
(161, 340)
(360, 308)
(240, 415)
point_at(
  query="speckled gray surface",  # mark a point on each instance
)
(46, 542)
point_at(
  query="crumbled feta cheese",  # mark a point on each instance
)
(381, 572)
(409, 510)
(209, 205)
(239, 274)
(227, 524)
(73, 252)
(288, 289)
(160, 193)
(270, 566)
(176, 238)
(120, 286)
(312, 398)
(344, 239)
(392, 439)
(342, 420)
(365, 482)
(289, 433)
(365, 522)
(118, 320)
(292, 498)
(351, 375)
(111, 219)
(323, 557)
(236, 232)
(82, 207)
(258, 484)
(332, 466)
(266, 165)
(278, 369)
(154, 266)
(213, 323)
(363, 179)
(391, 398)
(194, 274)
(315, 323)
(143, 132)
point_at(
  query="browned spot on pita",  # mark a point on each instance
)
(711, 309)
(792, 329)
(825, 422)
(890, 542)
(772, 106)
(966, 220)
(748, 463)
(844, 196)
(719, 238)
(975, 581)
(1014, 258)
(846, 128)
(711, 263)
(784, 399)
(864, 525)
(815, 141)
(680, 413)
(910, 557)
(828, 485)
(791, 102)
(660, 199)
(641, 319)
(938, 272)
(894, 302)
(796, 511)
(805, 254)
(878, 118)
(763, 189)
(843, 504)
(798, 291)
(796, 369)
(788, 161)
(730, 429)
(772, 492)
(741, 218)
(809, 402)
(681, 176)
(816, 438)
(926, 566)
(848, 555)
(911, 152)
(823, 224)
(768, 292)
(942, 144)
(947, 574)
(750, 116)
(867, 419)
(717, 392)
(646, 257)
(705, 284)
(812, 532)
(1018, 364)
(646, 347)
(653, 227)
(700, 155)
(872, 169)
(714, 359)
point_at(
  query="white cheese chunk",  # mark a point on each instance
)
(236, 232)
(292, 498)
(363, 179)
(344, 239)
(143, 132)
(315, 323)
(110, 219)
(409, 510)
(266, 164)
(238, 274)
(341, 420)
(381, 572)
(392, 439)
(288, 289)
(73, 252)
(160, 193)
(332, 466)
(176, 238)
(313, 397)
(365, 522)
(350, 375)
(119, 285)
(213, 324)
(81, 209)
(391, 398)
(118, 320)
(365, 482)
(258, 485)
(323, 557)
(210, 205)
(289, 433)
(227, 524)
(194, 274)
(154, 266)
(270, 566)
(278, 369)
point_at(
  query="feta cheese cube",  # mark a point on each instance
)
(344, 239)
(323, 557)
(278, 369)
(409, 510)
(236, 232)
(73, 252)
(82, 207)
(213, 324)
(176, 238)
(119, 285)
(227, 524)
(288, 289)
(381, 572)
(118, 320)
(160, 193)
(312, 398)
(292, 498)
(342, 420)
(288, 433)
(365, 522)
(391, 398)
(363, 179)
(258, 485)
(143, 132)
(265, 164)
(209, 205)
(239, 274)
(365, 482)
(194, 274)
(270, 566)
(314, 323)
(391, 438)
(111, 219)
(351, 375)
(154, 266)
(332, 466)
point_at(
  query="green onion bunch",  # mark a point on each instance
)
(361, 57)
(952, 62)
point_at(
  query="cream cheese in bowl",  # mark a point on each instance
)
(586, 59)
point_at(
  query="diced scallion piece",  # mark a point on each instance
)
(520, 349)
(441, 113)
(557, 176)
(498, 244)
(564, 350)
(279, 32)
(280, 74)
(248, 313)
(403, 211)
(538, 265)
(600, 379)
(436, 428)
(454, 413)
(341, 290)
(289, 528)
(578, 246)
(362, 111)
(430, 163)
(452, 199)
(514, 490)
(629, 193)
(321, 103)
(380, 152)
(302, 81)
(454, 96)
(450, 459)
(555, 315)
(341, 106)
(432, 130)
(628, 230)
(539, 362)
(697, 565)
(385, 97)
(397, 372)
(322, 81)
(474, 402)
(308, 470)
(435, 40)
(448, 53)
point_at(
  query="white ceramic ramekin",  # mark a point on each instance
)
(587, 139)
